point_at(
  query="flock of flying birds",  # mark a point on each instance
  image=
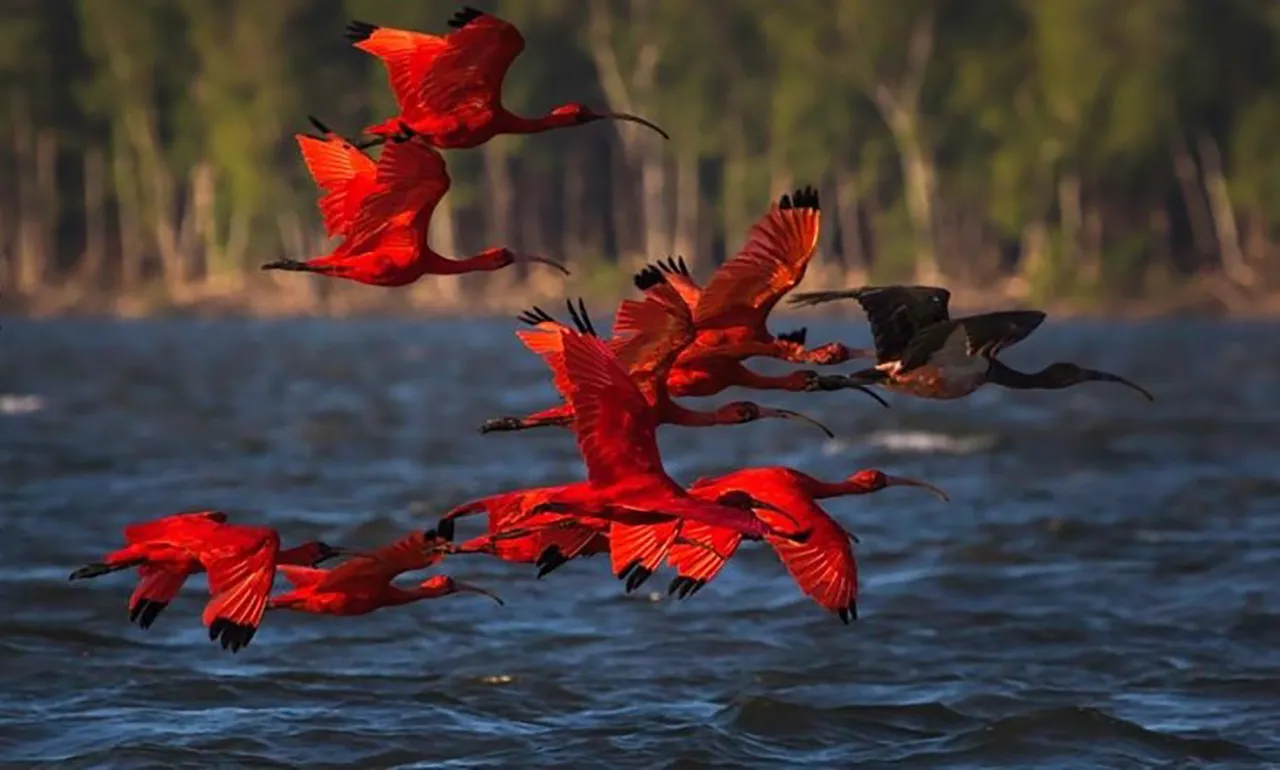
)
(677, 339)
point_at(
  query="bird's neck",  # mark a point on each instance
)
(1002, 375)
(473, 264)
(824, 490)
(519, 124)
(675, 414)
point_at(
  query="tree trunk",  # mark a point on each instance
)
(635, 94)
(1199, 217)
(847, 207)
(1071, 216)
(1234, 264)
(132, 257)
(685, 242)
(95, 218)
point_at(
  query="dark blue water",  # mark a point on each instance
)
(1101, 591)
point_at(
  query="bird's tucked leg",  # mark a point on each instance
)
(858, 380)
(502, 424)
(292, 265)
(831, 354)
(97, 569)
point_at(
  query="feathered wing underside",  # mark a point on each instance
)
(443, 82)
(824, 566)
(345, 174)
(406, 56)
(411, 179)
(613, 423)
(158, 584)
(702, 551)
(240, 577)
(772, 262)
(641, 545)
(547, 342)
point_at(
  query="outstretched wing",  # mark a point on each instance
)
(412, 552)
(951, 342)
(678, 276)
(410, 180)
(778, 249)
(241, 567)
(823, 566)
(613, 423)
(178, 527)
(345, 174)
(650, 334)
(896, 314)
(157, 585)
(442, 82)
(701, 552)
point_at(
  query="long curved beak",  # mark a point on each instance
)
(543, 260)
(871, 393)
(467, 588)
(787, 414)
(902, 481)
(1096, 376)
(635, 119)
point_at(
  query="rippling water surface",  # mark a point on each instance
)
(1100, 592)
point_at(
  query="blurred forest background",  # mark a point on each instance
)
(1081, 154)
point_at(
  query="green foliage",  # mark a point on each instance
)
(1005, 100)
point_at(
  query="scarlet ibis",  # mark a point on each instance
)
(730, 313)
(615, 425)
(363, 584)
(648, 336)
(823, 567)
(922, 351)
(386, 238)
(241, 561)
(449, 88)
(547, 548)
(158, 584)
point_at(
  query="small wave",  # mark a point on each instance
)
(925, 442)
(17, 403)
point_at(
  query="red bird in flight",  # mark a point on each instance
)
(615, 426)
(363, 584)
(241, 561)
(449, 88)
(545, 548)
(386, 221)
(648, 337)
(823, 567)
(731, 311)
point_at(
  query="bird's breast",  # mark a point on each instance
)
(939, 382)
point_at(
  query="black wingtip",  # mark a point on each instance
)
(535, 316)
(320, 126)
(581, 319)
(649, 277)
(445, 529)
(803, 198)
(674, 265)
(145, 612)
(357, 31)
(232, 636)
(848, 614)
(798, 336)
(551, 559)
(464, 17)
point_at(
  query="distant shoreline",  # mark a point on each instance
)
(422, 301)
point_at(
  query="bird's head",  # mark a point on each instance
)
(1063, 375)
(739, 412)
(443, 585)
(499, 257)
(873, 480)
(574, 114)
